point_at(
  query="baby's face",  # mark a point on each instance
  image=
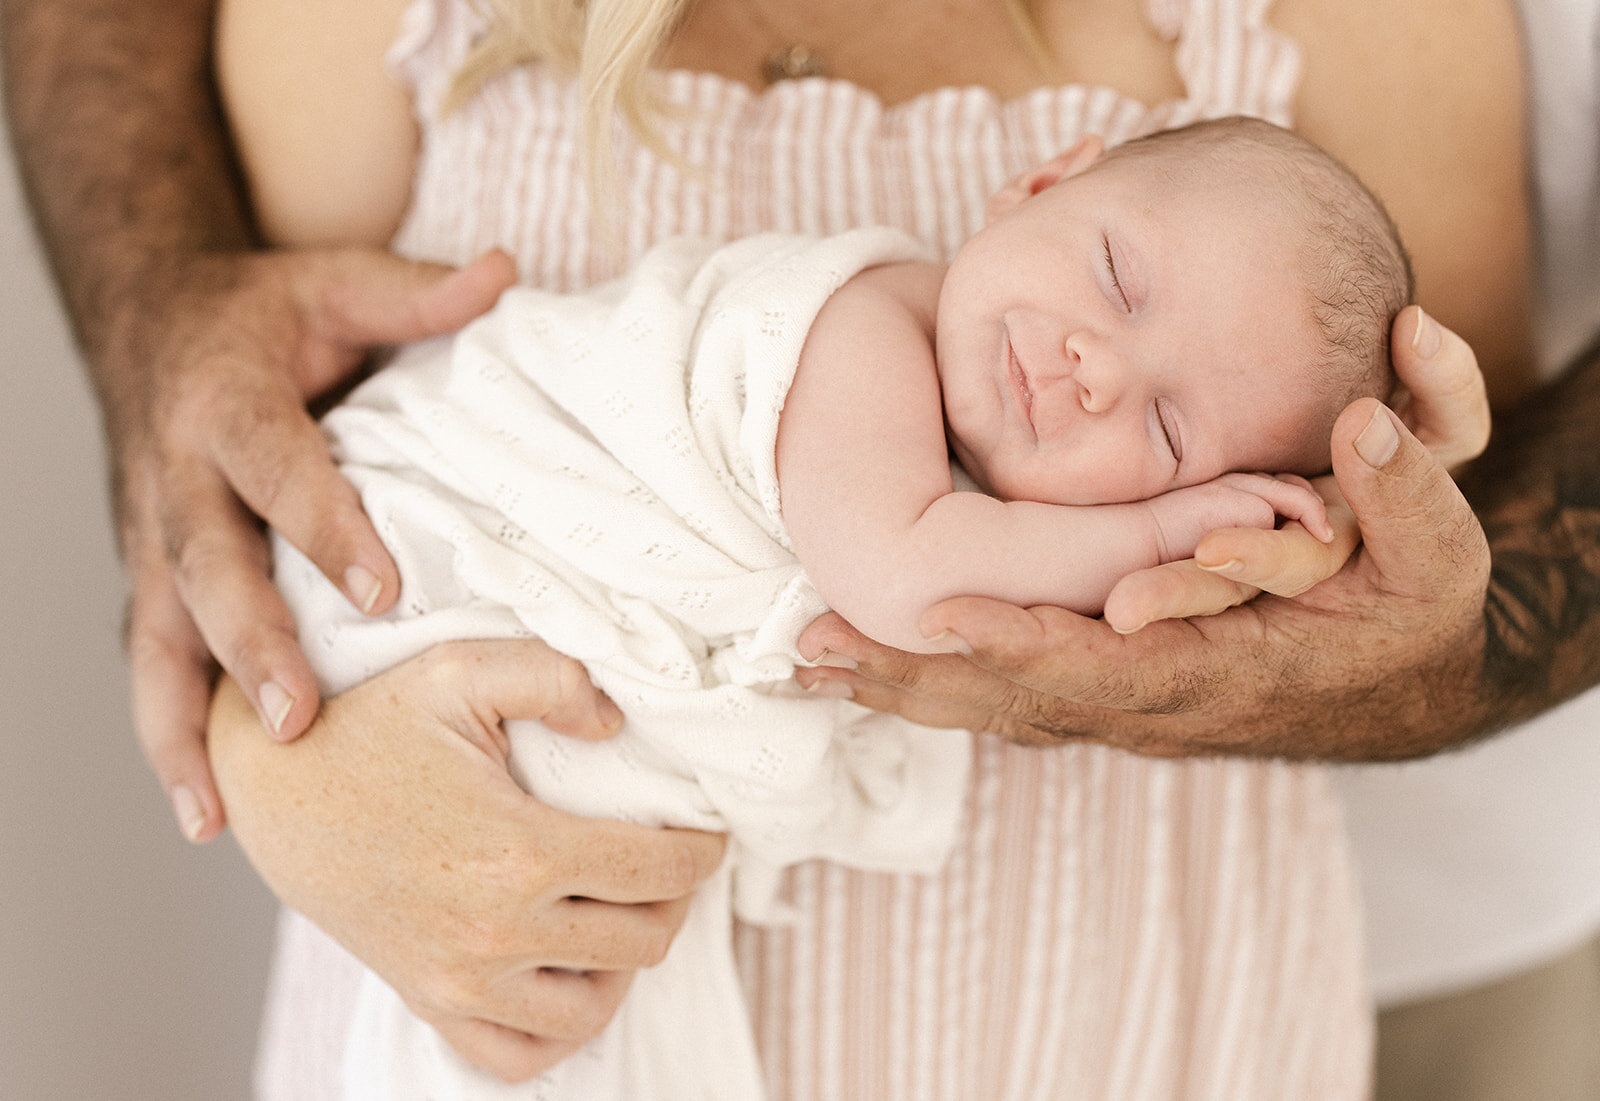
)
(1110, 338)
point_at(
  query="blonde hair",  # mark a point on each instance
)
(609, 45)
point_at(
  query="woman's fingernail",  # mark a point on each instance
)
(191, 816)
(1228, 569)
(609, 712)
(1378, 440)
(276, 704)
(836, 661)
(951, 643)
(363, 588)
(1130, 630)
(1425, 341)
(826, 686)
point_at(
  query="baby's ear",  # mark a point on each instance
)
(1059, 167)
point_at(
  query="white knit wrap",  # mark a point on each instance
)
(598, 470)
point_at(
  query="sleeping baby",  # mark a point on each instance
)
(669, 476)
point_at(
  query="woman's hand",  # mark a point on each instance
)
(1359, 666)
(511, 928)
(209, 431)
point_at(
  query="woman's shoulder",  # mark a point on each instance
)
(325, 133)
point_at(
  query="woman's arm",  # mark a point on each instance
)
(512, 928)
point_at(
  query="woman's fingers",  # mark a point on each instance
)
(474, 685)
(1448, 408)
(618, 862)
(507, 1053)
(544, 1016)
(617, 937)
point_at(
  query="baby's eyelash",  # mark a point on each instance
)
(1111, 269)
(1174, 443)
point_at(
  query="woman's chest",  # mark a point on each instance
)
(813, 156)
(899, 49)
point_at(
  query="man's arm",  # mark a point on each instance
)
(122, 150)
(1537, 493)
(204, 352)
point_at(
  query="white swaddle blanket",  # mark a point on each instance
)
(598, 470)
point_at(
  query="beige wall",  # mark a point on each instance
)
(131, 964)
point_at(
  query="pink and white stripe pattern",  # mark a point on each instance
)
(1111, 927)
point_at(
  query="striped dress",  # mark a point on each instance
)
(1109, 927)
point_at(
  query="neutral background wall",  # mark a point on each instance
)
(131, 964)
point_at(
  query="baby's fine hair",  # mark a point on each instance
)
(1357, 270)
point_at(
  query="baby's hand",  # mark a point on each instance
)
(1184, 516)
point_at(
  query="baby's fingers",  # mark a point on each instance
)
(1293, 498)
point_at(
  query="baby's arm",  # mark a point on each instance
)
(876, 521)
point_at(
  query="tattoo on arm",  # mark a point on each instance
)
(1537, 493)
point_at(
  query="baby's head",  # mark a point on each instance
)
(1190, 303)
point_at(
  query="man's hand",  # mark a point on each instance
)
(511, 928)
(1376, 661)
(209, 429)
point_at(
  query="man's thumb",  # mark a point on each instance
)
(1420, 533)
(375, 297)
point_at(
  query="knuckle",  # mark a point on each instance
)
(445, 665)
(264, 474)
(483, 937)
(520, 1064)
(569, 679)
(582, 1012)
(194, 557)
(652, 946)
(451, 992)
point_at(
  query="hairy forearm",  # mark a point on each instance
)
(1537, 493)
(122, 150)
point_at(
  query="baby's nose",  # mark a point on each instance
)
(1093, 370)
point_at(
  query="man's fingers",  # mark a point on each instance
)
(1008, 663)
(831, 640)
(1287, 561)
(221, 573)
(276, 460)
(1417, 527)
(171, 674)
(1448, 408)
(363, 298)
(1174, 590)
